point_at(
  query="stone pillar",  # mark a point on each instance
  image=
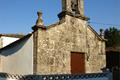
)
(39, 20)
(81, 7)
(66, 5)
(39, 25)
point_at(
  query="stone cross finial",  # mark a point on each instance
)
(102, 33)
(39, 21)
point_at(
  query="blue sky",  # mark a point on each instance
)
(18, 16)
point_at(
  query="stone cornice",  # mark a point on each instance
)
(39, 27)
(63, 13)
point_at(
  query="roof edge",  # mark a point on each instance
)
(13, 43)
(90, 27)
(13, 35)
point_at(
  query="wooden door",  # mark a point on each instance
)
(77, 63)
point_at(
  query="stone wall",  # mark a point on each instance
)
(95, 57)
(17, 58)
(54, 47)
(53, 52)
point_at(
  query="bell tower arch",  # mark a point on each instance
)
(74, 6)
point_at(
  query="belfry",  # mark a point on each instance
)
(73, 8)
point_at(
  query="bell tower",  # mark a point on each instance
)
(73, 7)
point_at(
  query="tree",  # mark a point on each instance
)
(113, 37)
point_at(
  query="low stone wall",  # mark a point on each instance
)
(94, 76)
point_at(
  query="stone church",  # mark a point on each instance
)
(70, 46)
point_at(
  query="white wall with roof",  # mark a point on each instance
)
(18, 58)
(7, 40)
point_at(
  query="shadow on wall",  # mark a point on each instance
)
(14, 47)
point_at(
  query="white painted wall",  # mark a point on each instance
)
(7, 40)
(18, 59)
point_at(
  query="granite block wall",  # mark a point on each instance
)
(55, 44)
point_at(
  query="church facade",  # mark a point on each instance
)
(70, 46)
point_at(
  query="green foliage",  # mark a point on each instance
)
(113, 36)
